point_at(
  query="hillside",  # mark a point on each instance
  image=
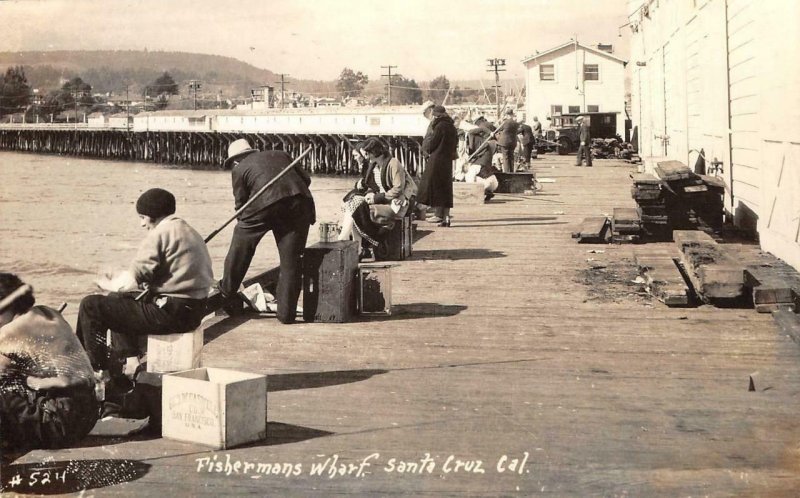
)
(111, 71)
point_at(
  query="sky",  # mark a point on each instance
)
(316, 39)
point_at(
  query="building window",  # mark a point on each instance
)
(547, 72)
(555, 110)
(591, 72)
(574, 109)
(592, 108)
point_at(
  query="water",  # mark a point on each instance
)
(64, 220)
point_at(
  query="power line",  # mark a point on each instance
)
(282, 82)
(496, 64)
(389, 85)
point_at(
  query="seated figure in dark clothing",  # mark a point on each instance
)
(47, 386)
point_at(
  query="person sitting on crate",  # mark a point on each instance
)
(173, 265)
(47, 385)
(385, 194)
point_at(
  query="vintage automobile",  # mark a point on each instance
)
(563, 131)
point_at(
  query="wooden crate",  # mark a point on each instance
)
(375, 289)
(513, 183)
(468, 193)
(214, 407)
(174, 352)
(330, 272)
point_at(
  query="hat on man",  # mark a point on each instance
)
(479, 119)
(236, 150)
(579, 118)
(510, 112)
(439, 110)
(156, 203)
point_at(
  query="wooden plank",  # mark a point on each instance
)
(715, 275)
(770, 292)
(664, 279)
(593, 229)
(673, 170)
(645, 179)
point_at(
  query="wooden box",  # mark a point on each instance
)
(513, 183)
(399, 243)
(330, 272)
(174, 352)
(468, 193)
(375, 289)
(214, 407)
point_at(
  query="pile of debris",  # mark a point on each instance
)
(676, 199)
(603, 148)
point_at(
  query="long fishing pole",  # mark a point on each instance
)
(244, 206)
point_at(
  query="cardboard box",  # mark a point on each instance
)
(214, 407)
(513, 183)
(375, 289)
(174, 352)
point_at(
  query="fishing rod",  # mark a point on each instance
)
(238, 212)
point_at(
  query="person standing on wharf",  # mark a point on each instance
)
(286, 208)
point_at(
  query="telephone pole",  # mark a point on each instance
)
(496, 64)
(282, 82)
(389, 85)
(194, 85)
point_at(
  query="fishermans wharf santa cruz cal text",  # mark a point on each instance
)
(336, 466)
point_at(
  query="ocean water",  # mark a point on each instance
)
(65, 220)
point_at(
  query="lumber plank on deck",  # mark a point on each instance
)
(715, 274)
(593, 230)
(664, 280)
(770, 291)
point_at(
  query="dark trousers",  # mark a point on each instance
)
(508, 158)
(129, 319)
(527, 151)
(46, 419)
(584, 150)
(289, 220)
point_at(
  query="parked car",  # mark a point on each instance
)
(564, 129)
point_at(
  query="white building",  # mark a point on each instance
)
(574, 78)
(721, 76)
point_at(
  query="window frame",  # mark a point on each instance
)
(597, 73)
(553, 73)
(574, 109)
(592, 108)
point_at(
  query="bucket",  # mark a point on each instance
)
(328, 232)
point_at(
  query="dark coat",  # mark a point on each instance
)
(256, 170)
(507, 136)
(440, 146)
(527, 133)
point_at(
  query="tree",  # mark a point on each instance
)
(15, 93)
(438, 89)
(163, 85)
(350, 83)
(405, 91)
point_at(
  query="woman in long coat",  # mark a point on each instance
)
(440, 147)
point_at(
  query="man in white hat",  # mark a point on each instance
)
(585, 139)
(286, 208)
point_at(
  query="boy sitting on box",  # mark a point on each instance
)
(174, 266)
(47, 396)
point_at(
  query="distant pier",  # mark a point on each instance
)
(201, 138)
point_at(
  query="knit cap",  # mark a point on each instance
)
(156, 203)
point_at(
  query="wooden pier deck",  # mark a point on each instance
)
(509, 341)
